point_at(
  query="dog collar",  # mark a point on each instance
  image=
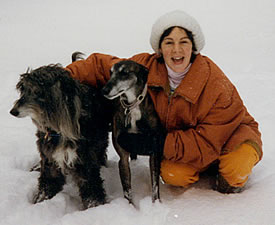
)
(50, 134)
(129, 107)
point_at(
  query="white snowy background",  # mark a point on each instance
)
(240, 36)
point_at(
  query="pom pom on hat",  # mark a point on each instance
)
(180, 19)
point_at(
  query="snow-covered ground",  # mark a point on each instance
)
(240, 38)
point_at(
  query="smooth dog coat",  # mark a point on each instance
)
(134, 116)
(72, 131)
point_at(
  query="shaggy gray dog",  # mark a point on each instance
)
(72, 121)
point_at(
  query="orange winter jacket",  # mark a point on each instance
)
(204, 117)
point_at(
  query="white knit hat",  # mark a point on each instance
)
(180, 19)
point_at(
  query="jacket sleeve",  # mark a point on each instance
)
(201, 145)
(95, 70)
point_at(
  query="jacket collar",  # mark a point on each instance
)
(192, 84)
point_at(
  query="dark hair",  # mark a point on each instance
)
(189, 35)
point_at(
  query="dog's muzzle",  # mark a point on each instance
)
(14, 112)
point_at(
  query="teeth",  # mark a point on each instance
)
(178, 58)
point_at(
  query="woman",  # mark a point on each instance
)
(205, 119)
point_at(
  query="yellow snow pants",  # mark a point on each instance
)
(235, 167)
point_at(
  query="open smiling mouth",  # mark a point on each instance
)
(178, 60)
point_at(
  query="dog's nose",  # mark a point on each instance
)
(14, 112)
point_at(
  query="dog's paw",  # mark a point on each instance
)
(128, 195)
(40, 196)
(36, 167)
(90, 203)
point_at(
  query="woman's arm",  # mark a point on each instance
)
(94, 70)
(201, 145)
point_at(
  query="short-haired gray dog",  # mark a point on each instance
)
(137, 129)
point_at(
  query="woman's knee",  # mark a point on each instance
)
(178, 174)
(235, 167)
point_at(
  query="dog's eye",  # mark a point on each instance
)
(23, 98)
(125, 75)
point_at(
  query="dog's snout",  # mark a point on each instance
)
(14, 112)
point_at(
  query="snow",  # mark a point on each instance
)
(239, 38)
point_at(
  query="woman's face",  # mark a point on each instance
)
(176, 49)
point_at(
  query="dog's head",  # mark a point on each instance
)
(125, 75)
(45, 94)
(37, 89)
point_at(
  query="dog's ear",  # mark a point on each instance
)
(124, 68)
(143, 71)
(19, 85)
(24, 78)
(66, 84)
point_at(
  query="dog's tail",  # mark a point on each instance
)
(77, 56)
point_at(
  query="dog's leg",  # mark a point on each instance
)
(155, 161)
(103, 158)
(133, 156)
(125, 177)
(155, 172)
(123, 164)
(90, 184)
(50, 182)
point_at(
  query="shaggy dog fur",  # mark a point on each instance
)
(135, 118)
(72, 121)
